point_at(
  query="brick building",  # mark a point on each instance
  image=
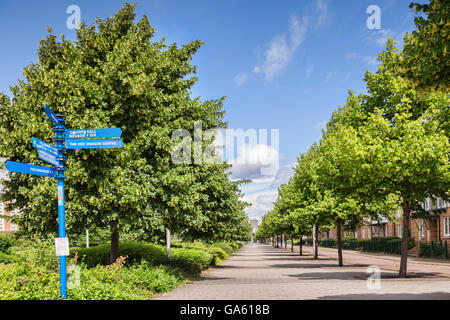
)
(5, 226)
(436, 227)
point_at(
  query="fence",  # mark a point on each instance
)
(434, 250)
(391, 245)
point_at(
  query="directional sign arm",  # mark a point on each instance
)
(30, 169)
(94, 144)
(93, 133)
(44, 146)
(52, 116)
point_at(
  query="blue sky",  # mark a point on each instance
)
(281, 64)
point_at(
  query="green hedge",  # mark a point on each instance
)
(434, 250)
(135, 282)
(224, 246)
(6, 242)
(382, 244)
(219, 253)
(136, 252)
(189, 259)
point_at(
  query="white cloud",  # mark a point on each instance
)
(240, 78)
(280, 51)
(330, 75)
(261, 203)
(251, 159)
(263, 191)
(353, 55)
(321, 125)
(380, 37)
(367, 59)
(321, 11)
(308, 72)
(370, 60)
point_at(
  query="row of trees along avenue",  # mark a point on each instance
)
(383, 150)
(114, 75)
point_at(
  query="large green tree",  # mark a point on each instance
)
(114, 75)
(426, 53)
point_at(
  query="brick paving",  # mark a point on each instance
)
(261, 272)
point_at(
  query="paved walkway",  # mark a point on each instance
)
(261, 272)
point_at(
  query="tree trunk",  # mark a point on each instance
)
(114, 253)
(339, 241)
(168, 243)
(301, 246)
(316, 248)
(404, 257)
(292, 244)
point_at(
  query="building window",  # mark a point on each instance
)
(446, 226)
(387, 231)
(364, 234)
(421, 228)
(399, 230)
(426, 205)
(441, 203)
(2, 213)
(14, 226)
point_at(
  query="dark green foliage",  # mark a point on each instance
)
(225, 247)
(5, 258)
(6, 242)
(384, 244)
(433, 250)
(189, 259)
(380, 244)
(115, 74)
(135, 282)
(136, 252)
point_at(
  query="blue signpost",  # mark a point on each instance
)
(55, 156)
(94, 144)
(30, 169)
(44, 146)
(93, 133)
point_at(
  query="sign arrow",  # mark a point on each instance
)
(44, 146)
(30, 169)
(51, 115)
(93, 133)
(48, 157)
(94, 144)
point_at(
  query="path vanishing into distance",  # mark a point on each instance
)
(261, 272)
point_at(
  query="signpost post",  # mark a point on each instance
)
(55, 156)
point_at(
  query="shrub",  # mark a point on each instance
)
(384, 244)
(328, 243)
(225, 247)
(28, 282)
(218, 253)
(432, 250)
(137, 282)
(5, 258)
(136, 252)
(6, 242)
(191, 260)
(234, 246)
